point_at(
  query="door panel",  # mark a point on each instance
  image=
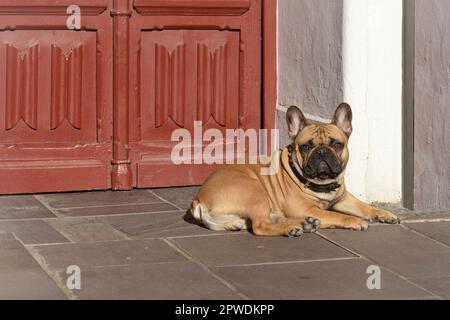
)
(186, 76)
(55, 97)
(190, 61)
(49, 86)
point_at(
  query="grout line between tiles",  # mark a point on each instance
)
(431, 277)
(43, 203)
(119, 232)
(191, 258)
(425, 220)
(425, 236)
(228, 233)
(122, 265)
(54, 276)
(106, 205)
(25, 219)
(164, 200)
(285, 262)
(338, 244)
(127, 239)
(112, 214)
(61, 232)
(136, 239)
(84, 242)
(48, 244)
(105, 215)
(380, 224)
(404, 278)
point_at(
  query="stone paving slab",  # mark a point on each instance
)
(96, 198)
(22, 207)
(242, 249)
(438, 285)
(32, 231)
(181, 196)
(439, 231)
(21, 277)
(176, 280)
(115, 209)
(109, 253)
(397, 248)
(154, 225)
(333, 279)
(85, 229)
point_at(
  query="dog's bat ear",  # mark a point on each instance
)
(343, 118)
(296, 121)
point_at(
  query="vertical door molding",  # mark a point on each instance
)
(121, 176)
(269, 66)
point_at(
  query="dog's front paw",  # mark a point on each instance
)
(295, 231)
(356, 224)
(311, 224)
(384, 216)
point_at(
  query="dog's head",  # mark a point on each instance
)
(320, 149)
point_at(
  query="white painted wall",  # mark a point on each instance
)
(372, 82)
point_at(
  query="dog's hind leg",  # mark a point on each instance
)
(260, 221)
(237, 224)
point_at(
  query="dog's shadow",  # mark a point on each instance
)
(189, 218)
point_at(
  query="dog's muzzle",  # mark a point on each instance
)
(322, 164)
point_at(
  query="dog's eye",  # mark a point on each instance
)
(337, 145)
(305, 147)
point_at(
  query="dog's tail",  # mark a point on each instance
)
(224, 222)
(202, 215)
(196, 210)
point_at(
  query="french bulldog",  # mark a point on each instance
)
(306, 193)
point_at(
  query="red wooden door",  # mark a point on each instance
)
(55, 97)
(95, 108)
(191, 60)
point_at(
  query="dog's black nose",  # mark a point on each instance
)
(321, 151)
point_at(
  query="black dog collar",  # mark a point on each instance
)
(323, 188)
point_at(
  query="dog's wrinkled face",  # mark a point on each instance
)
(321, 149)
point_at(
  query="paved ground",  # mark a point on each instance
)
(142, 245)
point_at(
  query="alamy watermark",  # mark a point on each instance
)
(374, 280)
(73, 281)
(73, 22)
(236, 146)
